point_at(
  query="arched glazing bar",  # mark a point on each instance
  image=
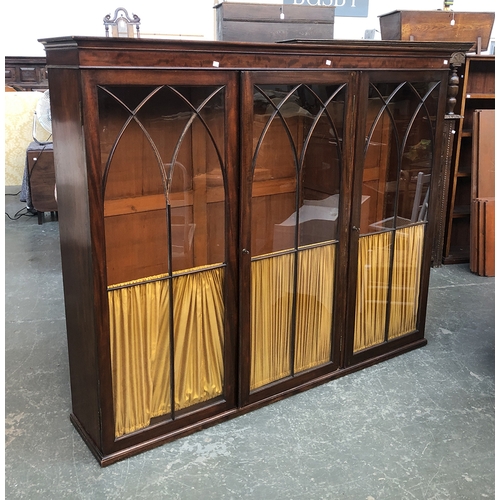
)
(195, 113)
(270, 120)
(323, 110)
(133, 116)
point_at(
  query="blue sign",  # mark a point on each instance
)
(343, 8)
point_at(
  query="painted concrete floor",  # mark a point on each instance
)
(419, 426)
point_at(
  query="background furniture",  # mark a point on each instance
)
(26, 73)
(121, 24)
(29, 75)
(19, 111)
(477, 91)
(41, 179)
(450, 126)
(445, 25)
(482, 248)
(482, 259)
(250, 22)
(243, 228)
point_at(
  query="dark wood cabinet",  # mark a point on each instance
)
(438, 26)
(26, 73)
(477, 91)
(239, 222)
(41, 178)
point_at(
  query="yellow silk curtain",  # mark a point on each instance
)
(313, 336)
(373, 285)
(271, 313)
(407, 267)
(140, 346)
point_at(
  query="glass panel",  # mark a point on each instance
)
(162, 145)
(134, 201)
(380, 171)
(321, 166)
(416, 161)
(298, 134)
(400, 137)
(297, 165)
(276, 137)
(162, 151)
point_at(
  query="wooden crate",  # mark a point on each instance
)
(247, 22)
(436, 26)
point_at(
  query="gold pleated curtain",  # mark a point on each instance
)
(272, 294)
(140, 345)
(373, 285)
(315, 286)
(407, 267)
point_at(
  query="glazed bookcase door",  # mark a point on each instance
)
(167, 171)
(397, 155)
(293, 227)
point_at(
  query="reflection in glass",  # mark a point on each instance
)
(400, 132)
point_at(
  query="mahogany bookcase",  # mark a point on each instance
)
(238, 221)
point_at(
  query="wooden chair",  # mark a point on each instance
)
(122, 25)
(420, 207)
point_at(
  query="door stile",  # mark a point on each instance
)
(355, 216)
(434, 201)
(96, 208)
(245, 123)
(341, 330)
(231, 340)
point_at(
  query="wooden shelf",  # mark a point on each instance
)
(457, 256)
(461, 211)
(480, 96)
(477, 91)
